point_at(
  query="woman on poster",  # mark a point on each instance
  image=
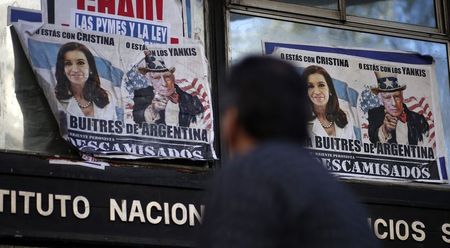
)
(327, 119)
(78, 84)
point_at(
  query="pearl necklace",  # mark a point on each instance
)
(326, 126)
(83, 106)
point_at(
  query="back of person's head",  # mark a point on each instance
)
(270, 99)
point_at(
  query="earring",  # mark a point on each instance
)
(90, 73)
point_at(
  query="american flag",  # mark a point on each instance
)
(368, 100)
(422, 107)
(196, 88)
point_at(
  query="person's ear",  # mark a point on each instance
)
(230, 128)
(401, 95)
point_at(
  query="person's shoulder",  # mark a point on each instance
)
(269, 151)
(277, 170)
(181, 92)
(377, 110)
(278, 161)
(415, 118)
(412, 113)
(144, 91)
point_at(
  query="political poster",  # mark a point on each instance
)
(153, 21)
(373, 113)
(115, 96)
(16, 14)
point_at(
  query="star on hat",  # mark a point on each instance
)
(387, 82)
(154, 65)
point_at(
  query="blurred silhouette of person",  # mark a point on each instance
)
(272, 193)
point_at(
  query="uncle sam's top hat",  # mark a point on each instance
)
(154, 65)
(387, 82)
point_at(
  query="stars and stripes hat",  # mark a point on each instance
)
(387, 82)
(154, 64)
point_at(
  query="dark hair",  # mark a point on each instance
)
(92, 90)
(270, 99)
(333, 111)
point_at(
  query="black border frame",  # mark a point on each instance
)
(420, 196)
